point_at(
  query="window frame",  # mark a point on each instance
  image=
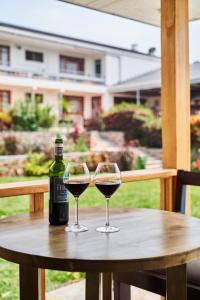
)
(34, 59)
(100, 67)
(8, 49)
(65, 59)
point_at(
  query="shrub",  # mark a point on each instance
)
(44, 117)
(37, 164)
(124, 159)
(29, 116)
(140, 162)
(11, 145)
(152, 136)
(80, 145)
(196, 165)
(5, 120)
(195, 131)
(137, 123)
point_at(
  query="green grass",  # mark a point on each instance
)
(138, 194)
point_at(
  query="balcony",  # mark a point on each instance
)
(42, 74)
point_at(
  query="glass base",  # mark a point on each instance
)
(107, 229)
(76, 228)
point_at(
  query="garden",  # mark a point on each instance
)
(28, 129)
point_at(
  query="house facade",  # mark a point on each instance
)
(73, 76)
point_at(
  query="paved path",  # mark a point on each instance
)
(75, 291)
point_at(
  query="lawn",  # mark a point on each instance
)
(138, 194)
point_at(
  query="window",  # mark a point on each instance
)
(34, 56)
(71, 65)
(4, 55)
(4, 100)
(75, 104)
(97, 66)
(38, 97)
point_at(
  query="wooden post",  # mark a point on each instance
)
(166, 193)
(92, 286)
(176, 283)
(29, 283)
(36, 204)
(107, 286)
(175, 92)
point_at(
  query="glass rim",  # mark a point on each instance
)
(107, 163)
(76, 164)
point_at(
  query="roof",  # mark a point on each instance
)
(151, 80)
(55, 35)
(146, 11)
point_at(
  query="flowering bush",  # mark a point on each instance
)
(137, 123)
(195, 131)
(5, 120)
(196, 165)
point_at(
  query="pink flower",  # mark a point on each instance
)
(197, 164)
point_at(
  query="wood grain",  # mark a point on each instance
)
(175, 89)
(36, 203)
(148, 239)
(23, 188)
(41, 186)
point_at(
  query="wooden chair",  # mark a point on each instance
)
(155, 281)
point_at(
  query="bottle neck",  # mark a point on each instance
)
(58, 152)
(58, 158)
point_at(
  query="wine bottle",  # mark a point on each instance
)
(58, 196)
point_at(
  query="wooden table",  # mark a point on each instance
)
(148, 239)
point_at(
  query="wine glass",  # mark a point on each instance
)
(76, 179)
(107, 179)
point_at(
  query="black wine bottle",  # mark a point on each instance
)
(58, 194)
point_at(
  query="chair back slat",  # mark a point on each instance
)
(184, 178)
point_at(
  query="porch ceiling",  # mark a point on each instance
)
(140, 10)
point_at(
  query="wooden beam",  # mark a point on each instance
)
(41, 186)
(175, 92)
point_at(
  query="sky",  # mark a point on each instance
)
(66, 19)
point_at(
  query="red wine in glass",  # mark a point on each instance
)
(76, 188)
(107, 179)
(107, 188)
(76, 179)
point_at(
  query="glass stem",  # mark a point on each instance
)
(76, 211)
(107, 212)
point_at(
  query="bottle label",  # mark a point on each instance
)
(58, 191)
(58, 149)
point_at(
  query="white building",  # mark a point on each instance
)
(57, 68)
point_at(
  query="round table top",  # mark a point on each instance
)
(148, 239)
